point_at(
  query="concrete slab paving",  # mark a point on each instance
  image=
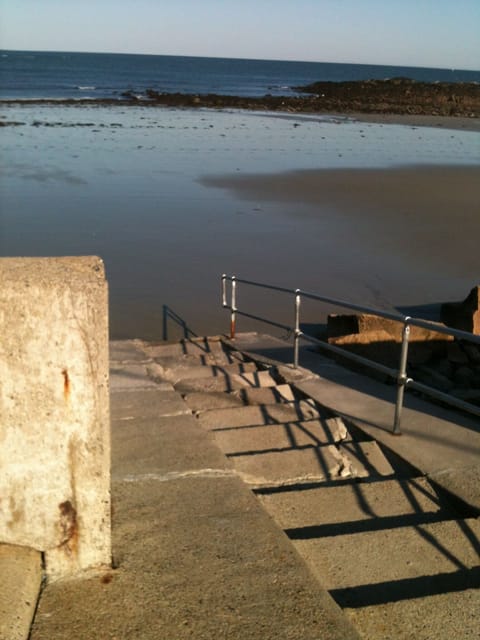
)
(21, 579)
(150, 402)
(443, 616)
(195, 555)
(162, 445)
(196, 558)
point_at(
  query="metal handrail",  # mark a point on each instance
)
(400, 374)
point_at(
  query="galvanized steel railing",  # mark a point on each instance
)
(399, 375)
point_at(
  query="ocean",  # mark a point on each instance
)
(142, 188)
(30, 75)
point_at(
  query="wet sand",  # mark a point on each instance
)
(427, 213)
(420, 219)
(444, 122)
(172, 198)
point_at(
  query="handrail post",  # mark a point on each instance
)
(402, 377)
(224, 290)
(233, 308)
(296, 337)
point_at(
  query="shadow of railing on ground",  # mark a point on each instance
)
(169, 314)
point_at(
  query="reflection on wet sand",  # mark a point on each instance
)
(325, 204)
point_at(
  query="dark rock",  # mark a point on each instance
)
(398, 95)
(463, 315)
(456, 354)
(463, 376)
(468, 395)
(433, 378)
(472, 351)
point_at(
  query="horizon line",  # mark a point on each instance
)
(173, 55)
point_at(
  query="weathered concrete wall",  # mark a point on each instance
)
(54, 410)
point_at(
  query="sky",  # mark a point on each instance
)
(428, 33)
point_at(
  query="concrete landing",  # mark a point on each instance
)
(196, 556)
(21, 578)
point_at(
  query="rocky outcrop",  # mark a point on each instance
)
(396, 96)
(399, 95)
(435, 359)
(380, 339)
(463, 315)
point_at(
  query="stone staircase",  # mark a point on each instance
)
(242, 508)
(397, 558)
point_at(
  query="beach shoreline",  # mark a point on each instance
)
(126, 184)
(455, 123)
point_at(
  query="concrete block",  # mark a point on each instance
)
(21, 571)
(54, 411)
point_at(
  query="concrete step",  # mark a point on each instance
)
(147, 403)
(258, 415)
(203, 401)
(358, 506)
(206, 347)
(227, 383)
(390, 554)
(127, 351)
(133, 377)
(236, 441)
(366, 459)
(21, 579)
(163, 445)
(292, 467)
(418, 581)
(273, 466)
(183, 371)
(199, 401)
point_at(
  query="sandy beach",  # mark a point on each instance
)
(427, 215)
(382, 212)
(456, 123)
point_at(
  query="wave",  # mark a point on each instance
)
(86, 88)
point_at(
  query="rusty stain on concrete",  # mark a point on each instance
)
(68, 527)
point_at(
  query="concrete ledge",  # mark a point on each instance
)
(21, 578)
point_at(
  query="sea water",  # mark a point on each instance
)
(30, 75)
